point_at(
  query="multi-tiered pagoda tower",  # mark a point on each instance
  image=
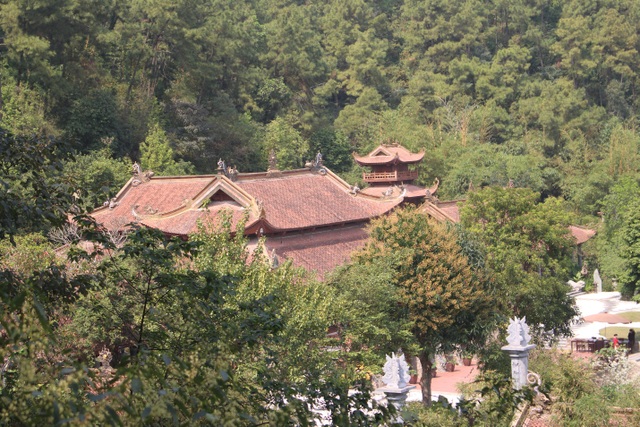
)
(393, 166)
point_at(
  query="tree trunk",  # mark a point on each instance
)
(425, 381)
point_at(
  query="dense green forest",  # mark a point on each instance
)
(540, 92)
(540, 95)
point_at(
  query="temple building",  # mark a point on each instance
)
(393, 165)
(309, 215)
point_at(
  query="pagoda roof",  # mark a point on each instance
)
(272, 202)
(389, 154)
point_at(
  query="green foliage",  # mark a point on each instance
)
(92, 118)
(491, 400)
(370, 322)
(205, 135)
(447, 303)
(195, 334)
(287, 143)
(96, 177)
(554, 83)
(568, 380)
(529, 252)
(335, 148)
(588, 411)
(23, 112)
(616, 243)
(415, 414)
(156, 154)
(31, 252)
(486, 165)
(29, 198)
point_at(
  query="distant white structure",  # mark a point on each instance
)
(597, 280)
(576, 286)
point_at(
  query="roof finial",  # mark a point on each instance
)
(139, 177)
(275, 262)
(273, 161)
(222, 167)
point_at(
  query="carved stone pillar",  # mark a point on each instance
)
(518, 349)
(519, 363)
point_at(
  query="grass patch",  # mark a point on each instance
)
(631, 316)
(608, 332)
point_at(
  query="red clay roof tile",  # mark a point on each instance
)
(319, 252)
(581, 234)
(289, 201)
(311, 200)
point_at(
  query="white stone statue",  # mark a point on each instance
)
(518, 332)
(597, 280)
(396, 371)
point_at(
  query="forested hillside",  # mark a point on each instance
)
(543, 92)
(541, 95)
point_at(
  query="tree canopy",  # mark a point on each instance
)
(430, 289)
(529, 252)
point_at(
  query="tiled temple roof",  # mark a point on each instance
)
(175, 204)
(308, 215)
(389, 154)
(443, 211)
(321, 251)
(307, 200)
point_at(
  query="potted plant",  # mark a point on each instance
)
(467, 356)
(450, 363)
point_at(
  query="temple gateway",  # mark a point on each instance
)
(308, 215)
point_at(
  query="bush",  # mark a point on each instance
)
(416, 414)
(588, 411)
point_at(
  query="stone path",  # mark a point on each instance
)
(446, 383)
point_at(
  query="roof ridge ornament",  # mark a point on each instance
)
(111, 203)
(273, 161)
(140, 177)
(275, 261)
(222, 167)
(316, 165)
(262, 214)
(272, 170)
(228, 171)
